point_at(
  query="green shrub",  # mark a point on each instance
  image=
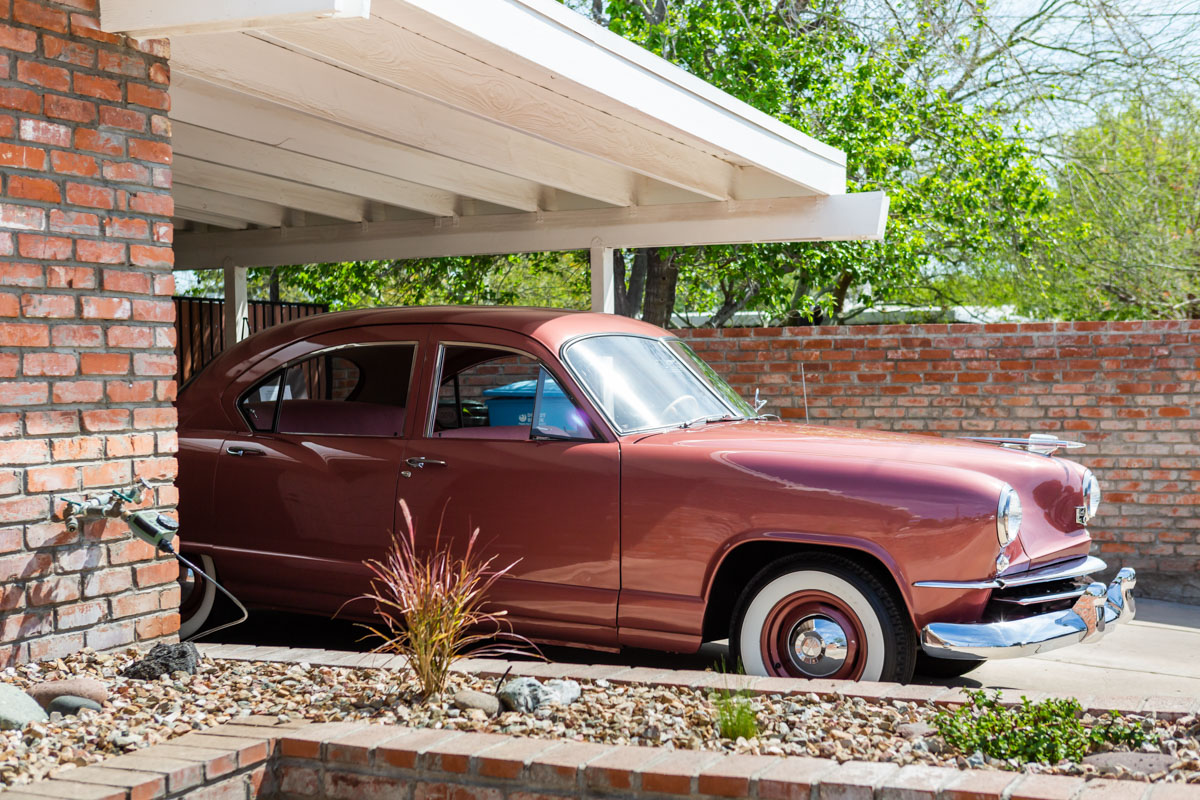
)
(1046, 731)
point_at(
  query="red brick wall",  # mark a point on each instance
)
(86, 335)
(1130, 390)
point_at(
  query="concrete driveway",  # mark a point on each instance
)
(1156, 654)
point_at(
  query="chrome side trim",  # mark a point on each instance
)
(1033, 600)
(1075, 568)
(1094, 614)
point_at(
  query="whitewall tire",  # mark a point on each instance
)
(822, 616)
(197, 596)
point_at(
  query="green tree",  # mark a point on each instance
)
(1132, 182)
(542, 279)
(963, 184)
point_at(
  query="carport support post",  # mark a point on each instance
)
(237, 306)
(603, 290)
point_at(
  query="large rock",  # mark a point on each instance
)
(68, 705)
(915, 730)
(468, 699)
(91, 689)
(528, 694)
(18, 709)
(163, 659)
(1148, 763)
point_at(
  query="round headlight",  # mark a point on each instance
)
(1008, 516)
(1091, 494)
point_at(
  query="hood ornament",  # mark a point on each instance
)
(1042, 443)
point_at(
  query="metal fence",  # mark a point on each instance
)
(200, 327)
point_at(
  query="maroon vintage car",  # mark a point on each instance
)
(645, 502)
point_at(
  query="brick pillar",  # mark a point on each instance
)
(86, 335)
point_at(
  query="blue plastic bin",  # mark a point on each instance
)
(513, 404)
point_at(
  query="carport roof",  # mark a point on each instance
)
(326, 130)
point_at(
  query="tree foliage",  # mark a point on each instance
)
(1132, 180)
(963, 184)
(557, 280)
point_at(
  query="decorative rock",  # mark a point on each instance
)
(527, 694)
(915, 730)
(87, 688)
(1148, 763)
(165, 659)
(70, 705)
(469, 699)
(18, 709)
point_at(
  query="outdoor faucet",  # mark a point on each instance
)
(107, 505)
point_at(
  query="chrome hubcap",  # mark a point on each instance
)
(818, 646)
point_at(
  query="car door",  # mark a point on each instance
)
(311, 487)
(549, 505)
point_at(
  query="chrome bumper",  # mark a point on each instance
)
(1092, 616)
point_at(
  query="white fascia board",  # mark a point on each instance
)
(155, 19)
(821, 218)
(561, 43)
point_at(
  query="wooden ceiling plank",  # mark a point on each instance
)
(267, 188)
(193, 215)
(408, 61)
(547, 43)
(242, 154)
(157, 19)
(321, 90)
(227, 205)
(397, 170)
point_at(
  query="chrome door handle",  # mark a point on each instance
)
(238, 450)
(420, 462)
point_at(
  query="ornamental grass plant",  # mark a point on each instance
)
(736, 715)
(432, 609)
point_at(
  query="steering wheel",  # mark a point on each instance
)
(671, 407)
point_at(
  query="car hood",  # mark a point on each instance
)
(1050, 488)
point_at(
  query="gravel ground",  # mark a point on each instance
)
(142, 713)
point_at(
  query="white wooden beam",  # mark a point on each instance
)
(193, 172)
(324, 91)
(547, 43)
(155, 19)
(398, 171)
(191, 215)
(232, 152)
(604, 298)
(390, 54)
(836, 217)
(227, 205)
(237, 304)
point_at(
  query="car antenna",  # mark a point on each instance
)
(804, 388)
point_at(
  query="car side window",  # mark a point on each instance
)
(489, 393)
(258, 405)
(351, 391)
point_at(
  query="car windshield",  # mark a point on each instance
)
(644, 383)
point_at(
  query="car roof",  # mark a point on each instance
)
(549, 326)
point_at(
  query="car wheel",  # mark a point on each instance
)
(946, 667)
(822, 617)
(197, 596)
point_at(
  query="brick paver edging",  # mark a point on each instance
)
(258, 758)
(1167, 707)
